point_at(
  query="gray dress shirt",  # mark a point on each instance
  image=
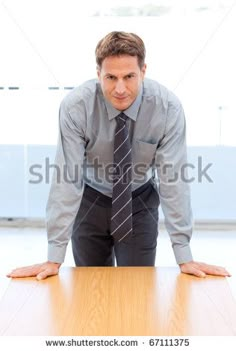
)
(85, 155)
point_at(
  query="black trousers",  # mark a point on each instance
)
(92, 243)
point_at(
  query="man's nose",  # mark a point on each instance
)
(120, 87)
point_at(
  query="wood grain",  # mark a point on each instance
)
(118, 301)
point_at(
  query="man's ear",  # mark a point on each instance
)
(98, 72)
(143, 69)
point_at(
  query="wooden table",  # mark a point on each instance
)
(118, 301)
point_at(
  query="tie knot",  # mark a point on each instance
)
(121, 118)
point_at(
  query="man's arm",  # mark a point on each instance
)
(67, 184)
(65, 193)
(174, 191)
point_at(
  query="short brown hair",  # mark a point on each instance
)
(120, 43)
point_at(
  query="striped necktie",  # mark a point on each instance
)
(121, 216)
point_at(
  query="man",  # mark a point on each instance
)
(115, 132)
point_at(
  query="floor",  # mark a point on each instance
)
(26, 246)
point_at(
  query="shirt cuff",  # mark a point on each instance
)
(182, 253)
(56, 254)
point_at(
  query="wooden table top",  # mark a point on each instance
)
(122, 301)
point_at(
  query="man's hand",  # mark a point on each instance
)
(200, 269)
(40, 271)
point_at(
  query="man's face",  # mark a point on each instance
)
(120, 78)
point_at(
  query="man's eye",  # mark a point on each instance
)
(111, 77)
(130, 76)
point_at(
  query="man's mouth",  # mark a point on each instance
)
(120, 97)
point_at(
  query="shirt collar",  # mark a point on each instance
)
(131, 112)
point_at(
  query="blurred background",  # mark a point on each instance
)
(47, 48)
